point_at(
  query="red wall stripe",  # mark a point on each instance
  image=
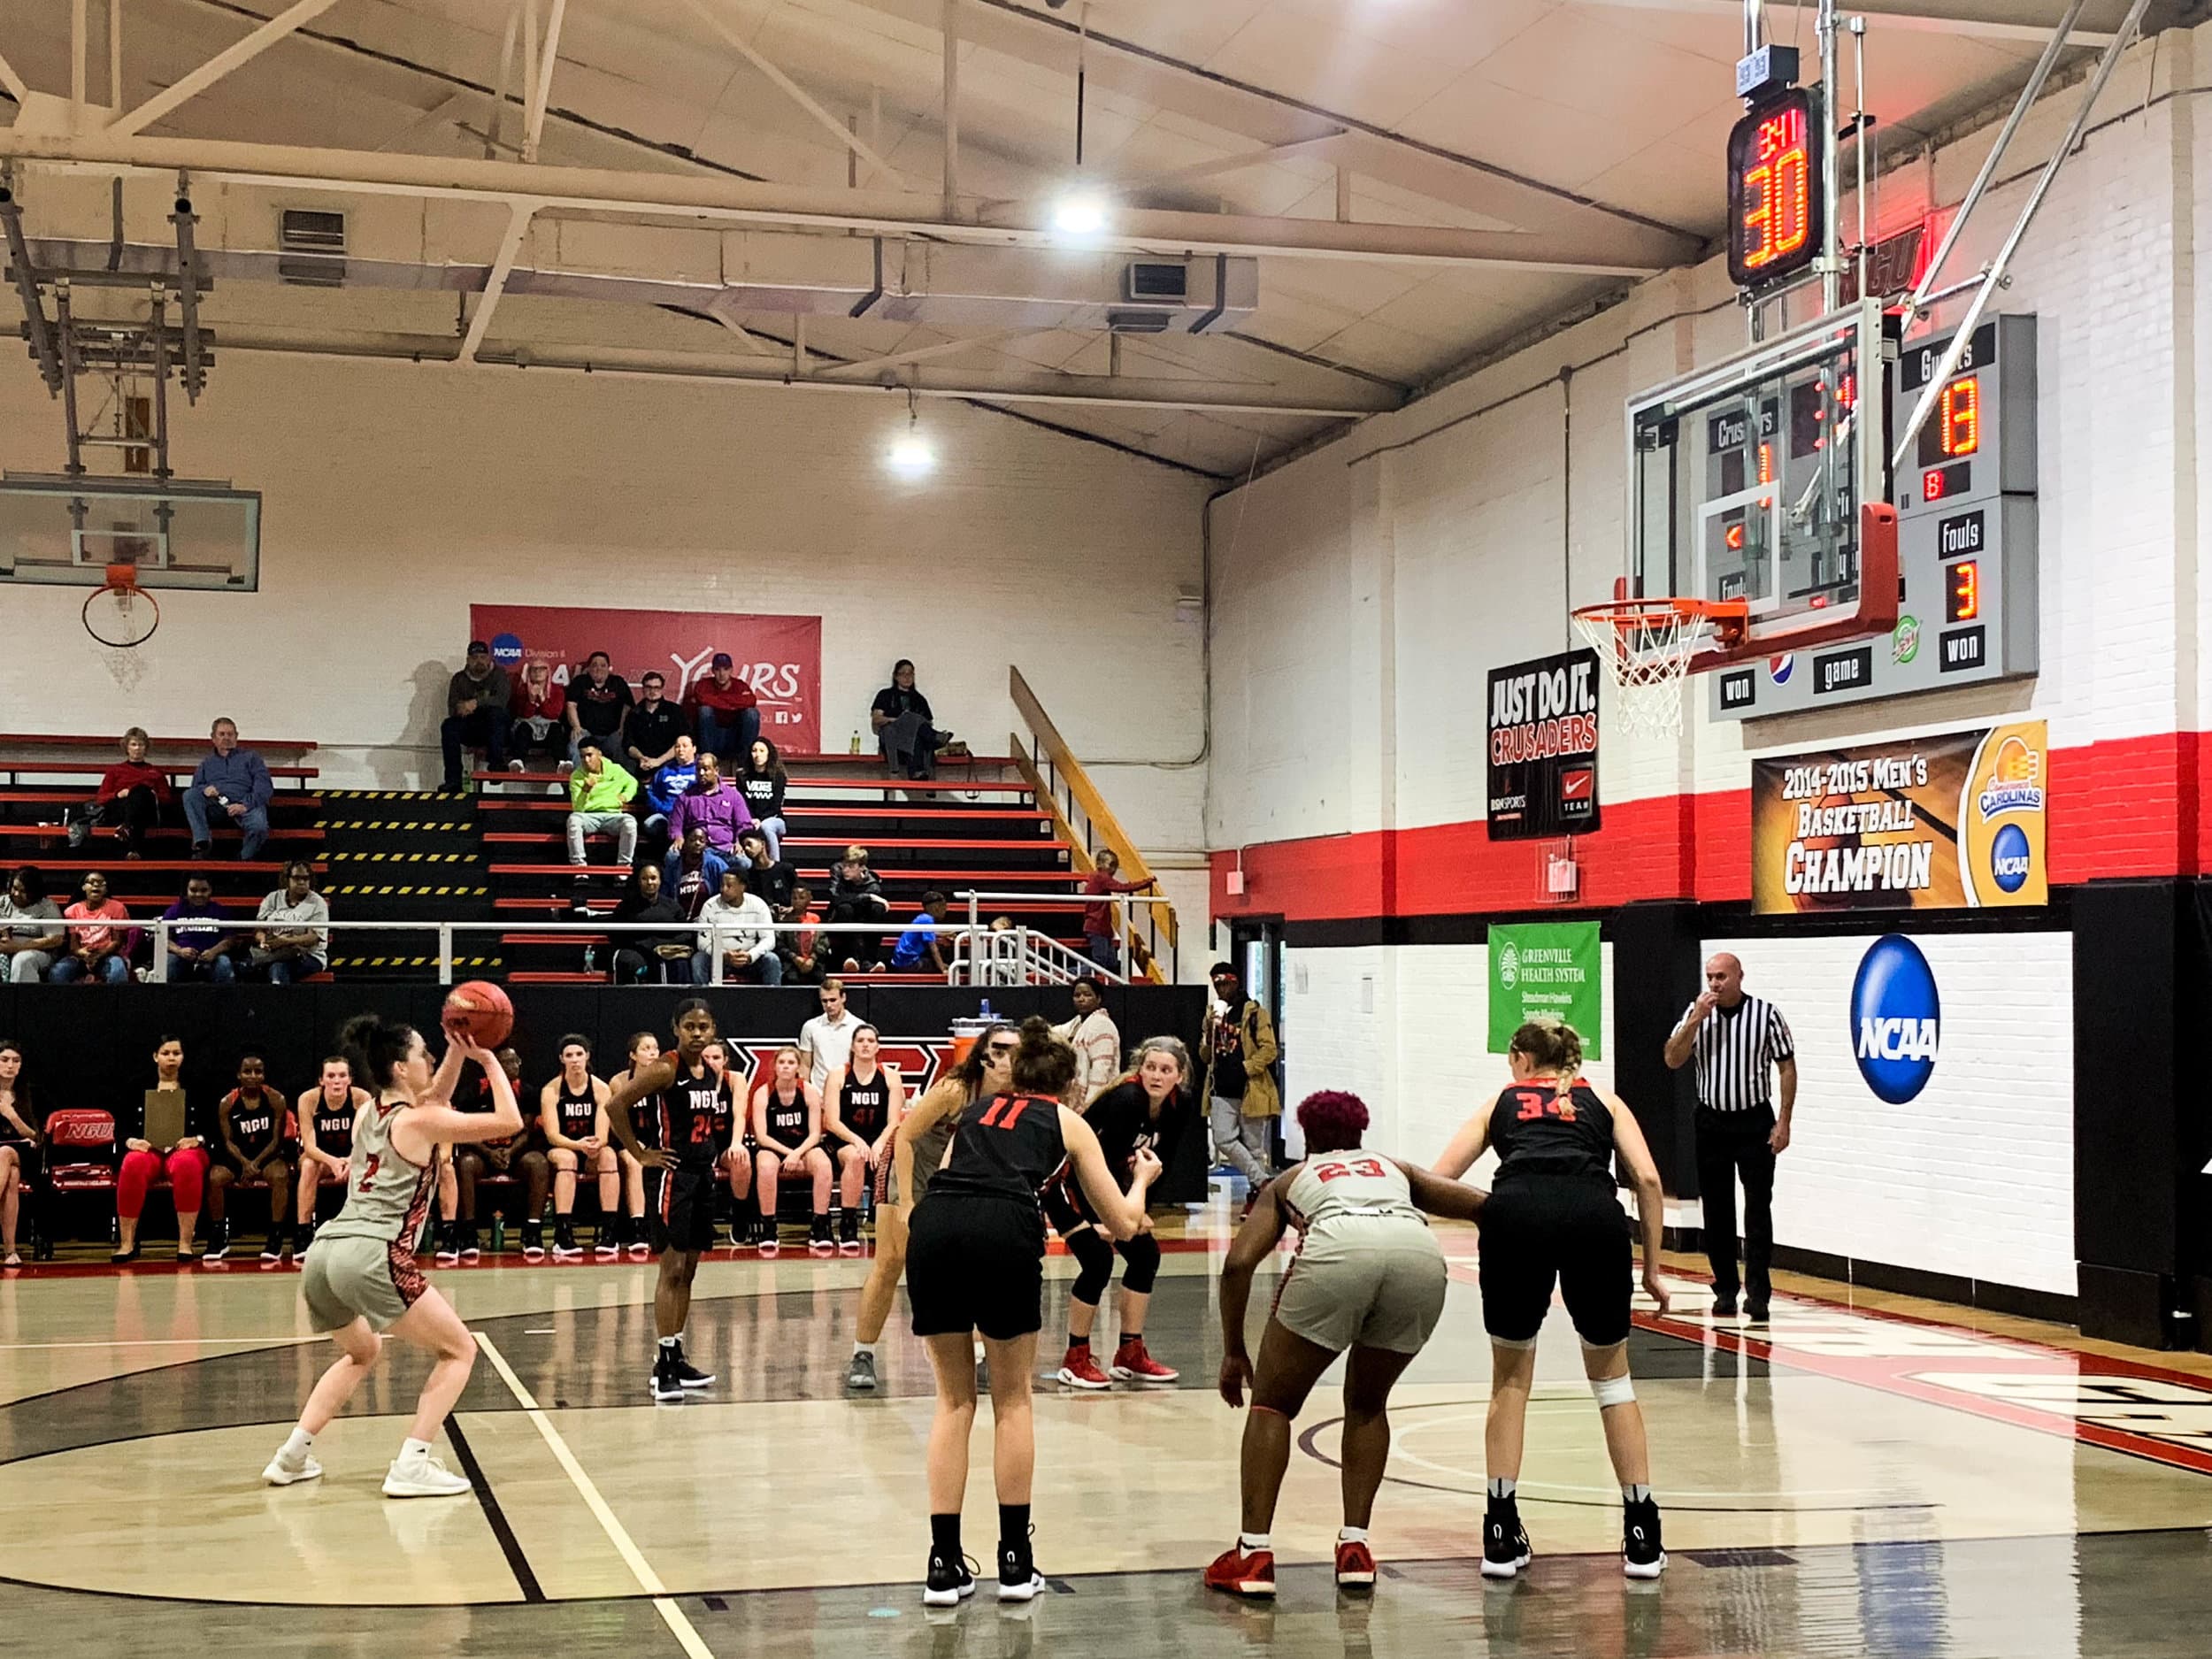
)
(2130, 807)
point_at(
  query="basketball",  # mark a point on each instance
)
(482, 1009)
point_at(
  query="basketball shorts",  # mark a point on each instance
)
(1366, 1283)
(1065, 1209)
(680, 1201)
(347, 1278)
(1542, 1230)
(976, 1264)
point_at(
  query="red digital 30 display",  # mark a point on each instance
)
(1774, 195)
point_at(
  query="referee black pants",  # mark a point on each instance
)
(1731, 1145)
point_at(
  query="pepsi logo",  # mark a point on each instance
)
(1896, 1019)
(2009, 858)
(1780, 668)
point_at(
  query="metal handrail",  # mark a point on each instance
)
(1125, 902)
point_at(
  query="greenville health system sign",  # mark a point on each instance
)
(1553, 968)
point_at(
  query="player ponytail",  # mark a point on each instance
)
(370, 1047)
(1043, 1064)
(1551, 1046)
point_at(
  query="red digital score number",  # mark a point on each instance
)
(1962, 591)
(1773, 192)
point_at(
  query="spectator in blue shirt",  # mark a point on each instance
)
(234, 783)
(918, 945)
(669, 783)
(200, 953)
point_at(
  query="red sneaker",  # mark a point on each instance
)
(1080, 1370)
(1241, 1574)
(1131, 1363)
(1355, 1565)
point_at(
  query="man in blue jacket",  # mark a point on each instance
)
(233, 784)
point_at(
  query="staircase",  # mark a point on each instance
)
(400, 854)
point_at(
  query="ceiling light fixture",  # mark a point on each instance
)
(910, 454)
(1080, 212)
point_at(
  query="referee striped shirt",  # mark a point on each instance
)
(1735, 1051)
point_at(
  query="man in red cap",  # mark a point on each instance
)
(724, 712)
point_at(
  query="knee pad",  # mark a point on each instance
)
(1097, 1258)
(1614, 1391)
(1143, 1254)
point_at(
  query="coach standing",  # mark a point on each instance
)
(1735, 1039)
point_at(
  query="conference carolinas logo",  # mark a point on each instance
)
(2015, 782)
(1896, 1019)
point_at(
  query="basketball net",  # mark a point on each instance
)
(1646, 646)
(120, 617)
(125, 664)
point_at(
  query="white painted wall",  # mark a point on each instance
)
(1975, 1176)
(393, 496)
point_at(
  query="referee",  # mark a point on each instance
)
(1734, 1039)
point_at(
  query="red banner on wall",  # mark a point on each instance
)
(780, 657)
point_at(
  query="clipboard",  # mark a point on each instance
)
(165, 1117)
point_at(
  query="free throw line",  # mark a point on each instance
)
(679, 1627)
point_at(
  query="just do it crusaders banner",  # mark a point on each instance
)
(1926, 822)
(780, 657)
(1543, 746)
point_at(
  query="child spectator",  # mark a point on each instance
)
(539, 716)
(295, 946)
(803, 963)
(856, 895)
(724, 713)
(131, 795)
(200, 953)
(102, 951)
(762, 780)
(917, 947)
(1101, 923)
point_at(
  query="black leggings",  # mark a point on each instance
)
(1092, 1249)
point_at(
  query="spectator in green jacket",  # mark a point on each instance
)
(599, 796)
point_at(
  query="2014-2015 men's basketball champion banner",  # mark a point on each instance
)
(1943, 822)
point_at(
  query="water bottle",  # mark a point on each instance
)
(591, 958)
(499, 1232)
(856, 749)
(987, 1009)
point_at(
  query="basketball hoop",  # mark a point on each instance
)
(122, 615)
(1648, 646)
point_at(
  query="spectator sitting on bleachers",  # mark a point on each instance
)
(185, 1163)
(476, 703)
(599, 797)
(99, 952)
(598, 702)
(670, 782)
(802, 951)
(234, 781)
(692, 874)
(903, 721)
(200, 953)
(724, 713)
(20, 1128)
(764, 873)
(713, 805)
(856, 895)
(652, 958)
(762, 779)
(738, 924)
(32, 938)
(296, 947)
(918, 947)
(649, 736)
(131, 795)
(537, 718)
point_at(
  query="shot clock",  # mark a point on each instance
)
(1775, 205)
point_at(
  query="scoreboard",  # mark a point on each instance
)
(1966, 541)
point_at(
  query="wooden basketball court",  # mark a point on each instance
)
(1883, 1477)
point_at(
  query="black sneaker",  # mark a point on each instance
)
(448, 1244)
(1724, 1307)
(687, 1375)
(272, 1247)
(217, 1246)
(817, 1239)
(640, 1243)
(1754, 1313)
(665, 1384)
(564, 1246)
(1505, 1549)
(533, 1240)
(607, 1242)
(1641, 1556)
(848, 1232)
(471, 1249)
(950, 1583)
(1018, 1579)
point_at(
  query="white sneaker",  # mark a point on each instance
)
(279, 1473)
(423, 1477)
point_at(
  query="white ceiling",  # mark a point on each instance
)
(1601, 121)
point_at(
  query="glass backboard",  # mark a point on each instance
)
(176, 533)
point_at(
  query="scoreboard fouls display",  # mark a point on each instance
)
(1775, 203)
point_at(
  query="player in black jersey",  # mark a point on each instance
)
(975, 1264)
(325, 1126)
(787, 1125)
(252, 1143)
(695, 1125)
(1147, 1106)
(644, 1049)
(747, 1228)
(572, 1111)
(1554, 1214)
(861, 1106)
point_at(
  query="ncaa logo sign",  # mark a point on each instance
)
(2009, 858)
(1895, 1019)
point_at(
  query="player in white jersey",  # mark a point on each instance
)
(362, 1277)
(1368, 1277)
